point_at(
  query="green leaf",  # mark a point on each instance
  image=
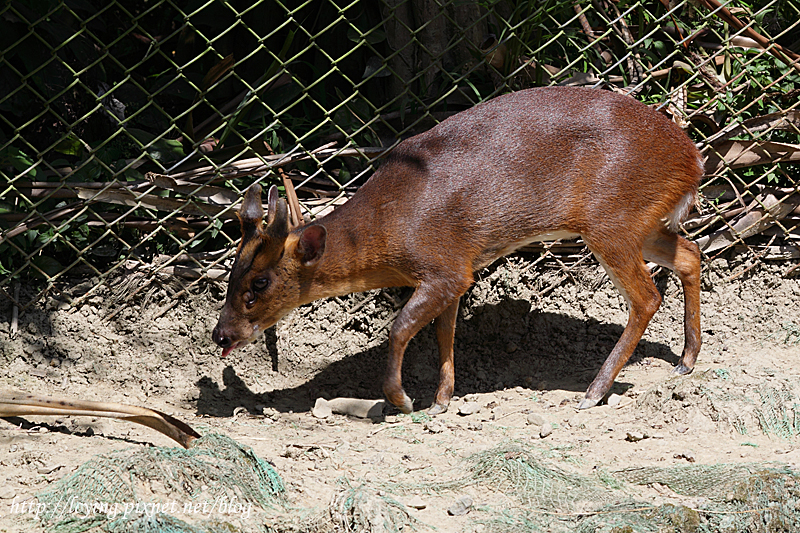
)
(18, 159)
(161, 149)
(216, 226)
(69, 145)
(46, 264)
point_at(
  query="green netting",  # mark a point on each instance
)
(521, 471)
(724, 498)
(140, 489)
(779, 413)
(352, 509)
(545, 488)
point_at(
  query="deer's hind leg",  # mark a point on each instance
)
(445, 333)
(682, 257)
(627, 270)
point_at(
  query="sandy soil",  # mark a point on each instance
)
(518, 355)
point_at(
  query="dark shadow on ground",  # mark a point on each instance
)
(501, 346)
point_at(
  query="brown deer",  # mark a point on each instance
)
(533, 165)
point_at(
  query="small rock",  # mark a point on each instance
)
(511, 347)
(535, 419)
(575, 421)
(477, 426)
(614, 400)
(682, 429)
(688, 455)
(469, 408)
(47, 469)
(321, 409)
(435, 426)
(460, 507)
(271, 412)
(7, 493)
(416, 503)
(545, 430)
(635, 436)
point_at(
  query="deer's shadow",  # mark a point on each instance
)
(502, 346)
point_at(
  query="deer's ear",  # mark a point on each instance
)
(251, 214)
(311, 245)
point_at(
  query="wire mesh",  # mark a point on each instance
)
(128, 130)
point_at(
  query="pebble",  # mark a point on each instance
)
(576, 421)
(477, 426)
(416, 503)
(7, 493)
(614, 400)
(435, 426)
(47, 469)
(460, 507)
(635, 436)
(535, 419)
(271, 412)
(545, 430)
(469, 408)
(688, 455)
(321, 409)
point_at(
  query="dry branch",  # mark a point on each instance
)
(206, 193)
(149, 201)
(762, 213)
(255, 165)
(781, 53)
(28, 404)
(787, 121)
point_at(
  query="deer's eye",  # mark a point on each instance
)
(260, 284)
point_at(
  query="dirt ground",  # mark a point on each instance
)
(518, 355)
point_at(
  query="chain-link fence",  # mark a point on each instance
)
(129, 129)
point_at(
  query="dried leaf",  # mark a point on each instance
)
(743, 154)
